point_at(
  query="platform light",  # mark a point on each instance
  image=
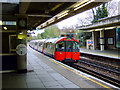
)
(88, 30)
(118, 26)
(91, 30)
(0, 22)
(82, 5)
(5, 28)
(51, 20)
(39, 15)
(44, 24)
(58, 16)
(109, 28)
(99, 29)
(62, 15)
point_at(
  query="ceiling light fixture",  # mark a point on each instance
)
(0, 22)
(109, 28)
(62, 15)
(80, 3)
(39, 15)
(83, 5)
(5, 28)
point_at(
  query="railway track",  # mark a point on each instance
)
(106, 73)
(96, 74)
(101, 66)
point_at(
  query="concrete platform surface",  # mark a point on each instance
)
(106, 53)
(45, 72)
(39, 75)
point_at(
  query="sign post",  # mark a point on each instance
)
(89, 44)
(21, 48)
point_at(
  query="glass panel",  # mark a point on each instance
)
(40, 44)
(60, 46)
(68, 46)
(75, 47)
(35, 43)
(118, 37)
(10, 1)
(12, 40)
(9, 23)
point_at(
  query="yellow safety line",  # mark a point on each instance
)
(81, 75)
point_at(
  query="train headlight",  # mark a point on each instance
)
(60, 52)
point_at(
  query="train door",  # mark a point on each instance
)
(68, 50)
(75, 53)
(35, 45)
(60, 51)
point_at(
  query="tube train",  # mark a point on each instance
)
(63, 49)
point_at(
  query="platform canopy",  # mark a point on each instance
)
(42, 13)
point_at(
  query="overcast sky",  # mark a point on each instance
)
(71, 21)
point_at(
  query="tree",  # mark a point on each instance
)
(101, 12)
(39, 36)
(43, 35)
(104, 12)
(51, 31)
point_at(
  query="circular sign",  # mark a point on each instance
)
(21, 49)
(22, 23)
(90, 42)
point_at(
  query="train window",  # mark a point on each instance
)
(35, 43)
(45, 45)
(75, 47)
(60, 46)
(68, 46)
(40, 44)
(50, 45)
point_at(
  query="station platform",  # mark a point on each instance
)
(45, 72)
(115, 54)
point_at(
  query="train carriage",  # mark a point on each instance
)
(64, 49)
(32, 44)
(40, 45)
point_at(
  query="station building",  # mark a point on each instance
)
(105, 33)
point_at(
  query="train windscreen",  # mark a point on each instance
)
(69, 46)
(60, 46)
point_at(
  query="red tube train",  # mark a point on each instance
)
(63, 49)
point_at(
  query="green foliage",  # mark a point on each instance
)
(104, 11)
(83, 37)
(39, 36)
(100, 13)
(51, 31)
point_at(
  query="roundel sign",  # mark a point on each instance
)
(21, 49)
(90, 42)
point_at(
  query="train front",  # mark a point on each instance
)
(67, 50)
